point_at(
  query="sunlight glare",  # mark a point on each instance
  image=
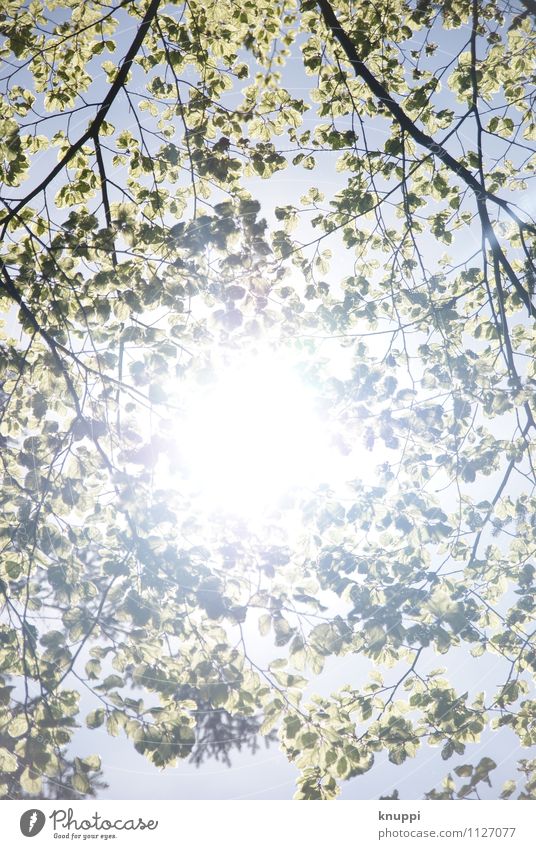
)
(253, 436)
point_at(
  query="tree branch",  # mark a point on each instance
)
(104, 189)
(95, 125)
(404, 121)
(14, 294)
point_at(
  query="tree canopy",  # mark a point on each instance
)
(341, 187)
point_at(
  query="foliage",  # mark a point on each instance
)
(136, 262)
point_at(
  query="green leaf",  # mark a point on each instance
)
(80, 783)
(95, 718)
(30, 781)
(8, 761)
(18, 726)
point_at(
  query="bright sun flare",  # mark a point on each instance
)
(253, 436)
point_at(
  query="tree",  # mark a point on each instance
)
(136, 262)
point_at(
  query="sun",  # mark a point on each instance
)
(254, 435)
